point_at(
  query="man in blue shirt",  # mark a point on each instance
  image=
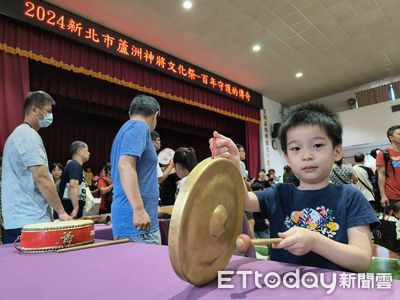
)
(134, 210)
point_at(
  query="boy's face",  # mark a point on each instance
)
(310, 153)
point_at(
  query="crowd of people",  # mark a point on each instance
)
(321, 208)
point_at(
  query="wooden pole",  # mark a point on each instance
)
(101, 244)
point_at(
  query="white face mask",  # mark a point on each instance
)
(46, 121)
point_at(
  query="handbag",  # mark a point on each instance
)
(366, 186)
(386, 234)
(338, 176)
(89, 202)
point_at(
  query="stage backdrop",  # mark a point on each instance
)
(91, 110)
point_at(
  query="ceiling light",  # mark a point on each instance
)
(256, 47)
(187, 4)
(299, 75)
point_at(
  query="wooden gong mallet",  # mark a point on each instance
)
(244, 242)
(206, 220)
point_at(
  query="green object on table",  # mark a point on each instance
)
(262, 250)
(385, 265)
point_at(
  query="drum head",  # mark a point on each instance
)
(207, 218)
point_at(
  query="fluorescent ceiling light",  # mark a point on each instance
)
(256, 47)
(299, 75)
(187, 4)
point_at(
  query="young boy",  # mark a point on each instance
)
(321, 224)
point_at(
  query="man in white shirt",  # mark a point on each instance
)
(364, 174)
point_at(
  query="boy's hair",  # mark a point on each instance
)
(391, 131)
(359, 157)
(186, 156)
(313, 114)
(75, 146)
(154, 135)
(38, 99)
(144, 105)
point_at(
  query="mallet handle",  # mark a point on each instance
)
(93, 245)
(264, 242)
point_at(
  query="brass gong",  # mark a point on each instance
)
(206, 219)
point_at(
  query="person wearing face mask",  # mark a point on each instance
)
(28, 190)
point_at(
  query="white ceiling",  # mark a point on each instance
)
(337, 44)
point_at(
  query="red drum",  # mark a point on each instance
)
(51, 236)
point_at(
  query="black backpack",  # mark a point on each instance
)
(374, 181)
(387, 159)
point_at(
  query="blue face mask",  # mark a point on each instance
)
(46, 121)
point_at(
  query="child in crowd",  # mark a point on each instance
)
(185, 160)
(56, 172)
(321, 224)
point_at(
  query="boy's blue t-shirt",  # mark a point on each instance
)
(134, 139)
(329, 211)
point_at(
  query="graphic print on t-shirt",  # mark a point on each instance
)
(396, 163)
(320, 219)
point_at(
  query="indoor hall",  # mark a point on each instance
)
(266, 57)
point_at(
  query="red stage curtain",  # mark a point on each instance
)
(110, 100)
(374, 95)
(396, 87)
(14, 85)
(253, 149)
(27, 41)
(91, 110)
(71, 125)
(63, 53)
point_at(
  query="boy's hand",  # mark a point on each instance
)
(296, 240)
(225, 147)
